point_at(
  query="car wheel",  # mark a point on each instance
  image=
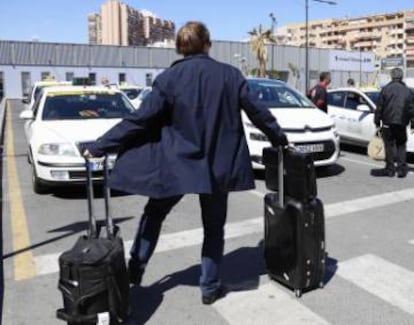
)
(38, 186)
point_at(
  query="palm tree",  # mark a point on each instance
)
(258, 40)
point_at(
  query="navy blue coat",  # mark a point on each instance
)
(187, 136)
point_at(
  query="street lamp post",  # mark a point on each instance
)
(307, 38)
(274, 22)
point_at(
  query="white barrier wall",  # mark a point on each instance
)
(12, 75)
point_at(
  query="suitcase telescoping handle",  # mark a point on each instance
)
(281, 173)
(93, 229)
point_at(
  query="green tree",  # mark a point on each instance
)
(259, 37)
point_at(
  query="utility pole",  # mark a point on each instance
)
(274, 22)
(307, 38)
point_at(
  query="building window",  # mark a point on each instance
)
(45, 75)
(121, 78)
(26, 82)
(92, 78)
(69, 76)
(1, 86)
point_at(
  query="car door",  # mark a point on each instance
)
(336, 107)
(357, 122)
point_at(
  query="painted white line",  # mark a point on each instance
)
(362, 204)
(362, 162)
(369, 202)
(268, 305)
(387, 281)
(411, 242)
(47, 264)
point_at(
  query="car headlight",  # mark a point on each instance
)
(57, 149)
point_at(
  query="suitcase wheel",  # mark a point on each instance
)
(298, 293)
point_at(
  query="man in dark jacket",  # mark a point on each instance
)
(319, 94)
(187, 137)
(395, 109)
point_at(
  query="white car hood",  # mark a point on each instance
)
(75, 131)
(301, 118)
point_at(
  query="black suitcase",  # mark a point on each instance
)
(299, 173)
(294, 240)
(93, 275)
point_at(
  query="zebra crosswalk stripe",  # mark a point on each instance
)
(383, 279)
(267, 305)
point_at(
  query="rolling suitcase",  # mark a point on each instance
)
(93, 276)
(301, 182)
(294, 239)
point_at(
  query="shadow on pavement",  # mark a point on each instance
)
(79, 192)
(69, 230)
(237, 276)
(329, 171)
(331, 268)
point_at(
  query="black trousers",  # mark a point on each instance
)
(213, 215)
(395, 140)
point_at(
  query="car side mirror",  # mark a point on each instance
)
(364, 108)
(25, 100)
(27, 114)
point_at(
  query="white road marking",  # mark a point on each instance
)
(362, 162)
(47, 264)
(369, 202)
(385, 280)
(267, 305)
(411, 242)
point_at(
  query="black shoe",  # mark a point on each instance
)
(401, 172)
(135, 272)
(208, 300)
(383, 172)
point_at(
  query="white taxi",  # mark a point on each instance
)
(353, 109)
(61, 121)
(307, 127)
(37, 88)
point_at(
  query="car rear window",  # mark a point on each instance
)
(86, 106)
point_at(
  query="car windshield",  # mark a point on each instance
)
(131, 93)
(275, 94)
(373, 95)
(93, 105)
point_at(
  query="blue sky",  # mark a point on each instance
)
(66, 20)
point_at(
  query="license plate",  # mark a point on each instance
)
(309, 148)
(97, 165)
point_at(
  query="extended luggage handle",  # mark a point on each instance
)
(93, 228)
(281, 172)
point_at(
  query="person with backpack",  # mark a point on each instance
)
(319, 94)
(188, 137)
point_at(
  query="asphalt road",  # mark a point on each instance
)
(370, 241)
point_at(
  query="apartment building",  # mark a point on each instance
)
(387, 35)
(119, 24)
